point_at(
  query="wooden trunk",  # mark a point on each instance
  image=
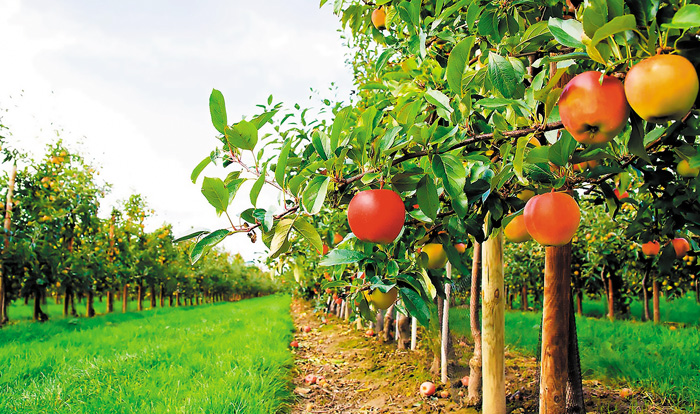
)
(90, 308)
(579, 302)
(125, 295)
(611, 299)
(523, 298)
(655, 293)
(474, 390)
(139, 297)
(110, 301)
(493, 327)
(555, 329)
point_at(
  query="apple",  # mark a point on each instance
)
(427, 389)
(376, 216)
(515, 230)
(651, 248)
(379, 18)
(465, 381)
(526, 194)
(681, 246)
(294, 344)
(552, 218)
(684, 170)
(662, 88)
(337, 238)
(437, 257)
(593, 112)
(369, 332)
(381, 300)
(325, 249)
(444, 394)
(306, 329)
(460, 247)
(621, 196)
(310, 379)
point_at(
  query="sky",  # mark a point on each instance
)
(127, 84)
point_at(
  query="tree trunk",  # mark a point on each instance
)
(139, 297)
(6, 226)
(161, 296)
(655, 293)
(523, 298)
(445, 339)
(387, 332)
(57, 299)
(90, 312)
(555, 329)
(73, 312)
(177, 296)
(26, 299)
(110, 301)
(474, 391)
(611, 299)
(697, 292)
(404, 337)
(125, 296)
(39, 315)
(645, 297)
(579, 302)
(170, 300)
(66, 302)
(493, 327)
(153, 296)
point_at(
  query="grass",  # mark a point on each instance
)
(222, 358)
(641, 355)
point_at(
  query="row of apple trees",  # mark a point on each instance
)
(56, 245)
(456, 111)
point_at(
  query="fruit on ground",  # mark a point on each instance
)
(465, 381)
(310, 379)
(444, 394)
(337, 238)
(460, 247)
(662, 88)
(437, 257)
(651, 248)
(294, 344)
(592, 112)
(381, 300)
(379, 18)
(515, 230)
(681, 246)
(621, 196)
(552, 218)
(376, 216)
(306, 328)
(369, 332)
(427, 389)
(684, 170)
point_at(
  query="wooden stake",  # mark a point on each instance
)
(445, 327)
(555, 329)
(493, 326)
(474, 391)
(655, 298)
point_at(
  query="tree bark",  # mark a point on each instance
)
(387, 332)
(645, 298)
(110, 301)
(139, 297)
(125, 297)
(474, 391)
(39, 315)
(611, 299)
(162, 296)
(90, 311)
(655, 293)
(493, 327)
(579, 302)
(697, 292)
(170, 300)
(404, 337)
(523, 298)
(555, 329)
(66, 302)
(6, 226)
(153, 296)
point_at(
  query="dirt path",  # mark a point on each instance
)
(360, 374)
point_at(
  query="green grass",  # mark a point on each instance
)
(642, 355)
(222, 358)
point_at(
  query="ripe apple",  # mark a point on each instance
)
(681, 246)
(369, 332)
(662, 88)
(515, 231)
(651, 248)
(592, 112)
(337, 238)
(294, 344)
(376, 216)
(325, 249)
(379, 18)
(465, 381)
(552, 218)
(427, 389)
(684, 170)
(310, 379)
(460, 247)
(381, 300)
(444, 394)
(621, 196)
(306, 329)
(437, 257)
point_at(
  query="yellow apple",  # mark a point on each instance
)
(684, 169)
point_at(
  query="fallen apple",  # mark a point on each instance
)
(427, 389)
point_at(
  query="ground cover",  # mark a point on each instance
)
(221, 358)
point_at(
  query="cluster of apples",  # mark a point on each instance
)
(594, 107)
(680, 246)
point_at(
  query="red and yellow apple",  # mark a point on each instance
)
(379, 18)
(593, 112)
(681, 246)
(427, 389)
(651, 248)
(515, 230)
(437, 257)
(685, 170)
(552, 218)
(381, 300)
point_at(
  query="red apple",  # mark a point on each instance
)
(651, 248)
(310, 379)
(593, 112)
(306, 328)
(427, 389)
(369, 332)
(540, 212)
(681, 246)
(376, 216)
(294, 344)
(465, 381)
(444, 394)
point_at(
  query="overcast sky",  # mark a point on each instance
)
(127, 83)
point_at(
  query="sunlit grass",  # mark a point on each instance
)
(223, 358)
(641, 355)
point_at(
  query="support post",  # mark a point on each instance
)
(493, 326)
(445, 327)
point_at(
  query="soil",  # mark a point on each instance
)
(362, 374)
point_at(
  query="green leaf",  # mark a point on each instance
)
(281, 167)
(339, 122)
(617, 25)
(635, 145)
(243, 135)
(519, 157)
(439, 99)
(388, 138)
(566, 32)
(560, 151)
(217, 109)
(687, 17)
(453, 175)
(232, 186)
(257, 186)
(262, 119)
(342, 256)
(415, 305)
(457, 62)
(428, 199)
(315, 194)
(321, 144)
(190, 236)
(383, 58)
(199, 168)
(216, 193)
(309, 232)
(281, 236)
(502, 75)
(595, 15)
(206, 243)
